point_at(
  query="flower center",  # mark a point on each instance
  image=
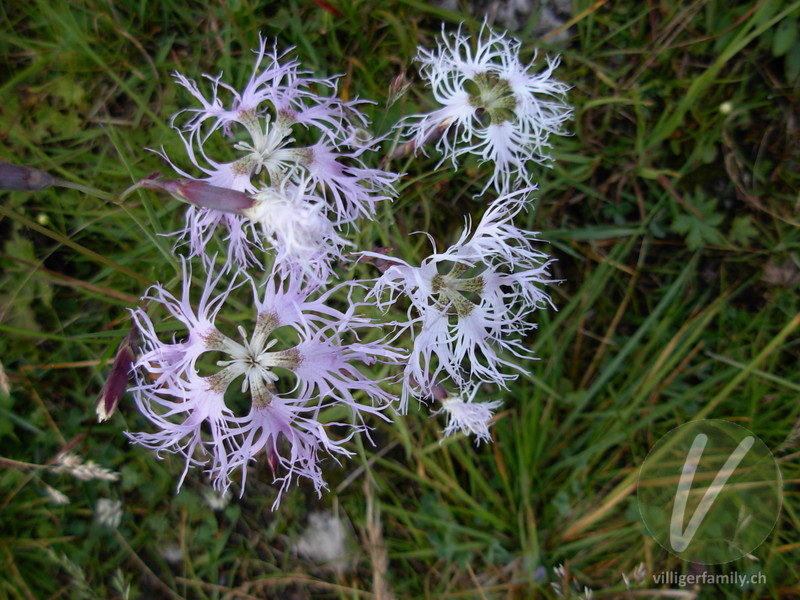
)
(493, 97)
(461, 294)
(253, 359)
(267, 148)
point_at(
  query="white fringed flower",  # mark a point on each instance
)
(470, 303)
(297, 229)
(466, 416)
(493, 105)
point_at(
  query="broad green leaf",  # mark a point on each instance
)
(700, 230)
(742, 231)
(785, 36)
(792, 64)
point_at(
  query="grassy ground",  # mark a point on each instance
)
(672, 211)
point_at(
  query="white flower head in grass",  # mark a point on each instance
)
(215, 500)
(108, 512)
(470, 304)
(300, 357)
(493, 105)
(281, 130)
(66, 462)
(56, 497)
(466, 416)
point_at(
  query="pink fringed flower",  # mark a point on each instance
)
(493, 105)
(470, 303)
(301, 357)
(286, 136)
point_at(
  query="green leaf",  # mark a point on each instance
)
(700, 230)
(742, 231)
(6, 424)
(792, 64)
(709, 154)
(21, 287)
(784, 37)
(69, 91)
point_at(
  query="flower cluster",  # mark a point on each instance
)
(281, 172)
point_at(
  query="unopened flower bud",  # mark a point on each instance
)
(398, 88)
(117, 381)
(23, 179)
(202, 194)
(273, 461)
(439, 392)
(381, 264)
(411, 146)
